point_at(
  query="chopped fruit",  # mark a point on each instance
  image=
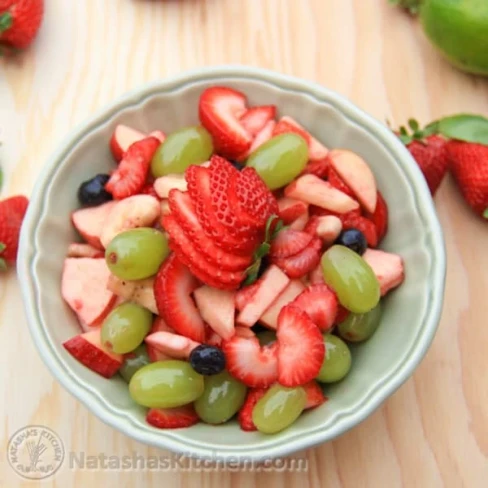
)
(337, 360)
(92, 192)
(173, 345)
(270, 316)
(207, 360)
(327, 227)
(336, 181)
(172, 418)
(90, 222)
(250, 363)
(211, 274)
(315, 395)
(122, 138)
(316, 150)
(12, 212)
(165, 208)
(255, 118)
(298, 338)
(353, 239)
(158, 134)
(316, 275)
(302, 263)
(212, 338)
(245, 332)
(320, 303)
(318, 168)
(148, 189)
(88, 350)
(245, 413)
(184, 211)
(342, 314)
(130, 213)
(356, 174)
(159, 325)
(313, 190)
(173, 287)
(220, 109)
(387, 267)
(83, 287)
(289, 243)
(164, 184)
(380, 217)
(139, 291)
(290, 209)
(217, 308)
(264, 135)
(79, 250)
(129, 178)
(300, 223)
(364, 225)
(271, 284)
(245, 295)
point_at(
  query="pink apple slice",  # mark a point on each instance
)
(311, 189)
(140, 291)
(81, 250)
(122, 138)
(357, 175)
(328, 228)
(289, 209)
(173, 345)
(164, 184)
(387, 267)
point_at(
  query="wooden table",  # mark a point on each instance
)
(434, 431)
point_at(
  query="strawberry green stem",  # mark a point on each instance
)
(6, 21)
(485, 213)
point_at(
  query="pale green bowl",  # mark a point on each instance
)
(380, 366)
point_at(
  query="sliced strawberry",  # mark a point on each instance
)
(380, 217)
(255, 118)
(318, 168)
(316, 275)
(290, 209)
(184, 211)
(246, 294)
(170, 344)
(315, 395)
(245, 413)
(320, 303)
(300, 223)
(217, 308)
(271, 284)
(129, 178)
(288, 243)
(363, 224)
(342, 314)
(220, 109)
(301, 348)
(302, 263)
(88, 350)
(172, 418)
(263, 136)
(122, 138)
(250, 363)
(148, 189)
(387, 267)
(200, 192)
(172, 288)
(270, 316)
(316, 151)
(211, 274)
(336, 181)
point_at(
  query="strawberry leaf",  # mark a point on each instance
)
(2, 247)
(464, 127)
(6, 21)
(413, 124)
(252, 273)
(485, 213)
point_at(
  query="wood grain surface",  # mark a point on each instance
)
(432, 432)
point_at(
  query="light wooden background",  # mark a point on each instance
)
(434, 431)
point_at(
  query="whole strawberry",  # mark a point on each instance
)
(469, 166)
(19, 22)
(12, 211)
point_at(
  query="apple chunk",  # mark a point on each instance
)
(387, 267)
(122, 138)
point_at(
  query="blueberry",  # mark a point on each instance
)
(238, 166)
(207, 360)
(92, 192)
(353, 239)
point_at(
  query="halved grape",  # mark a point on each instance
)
(125, 327)
(278, 408)
(352, 279)
(280, 160)
(222, 398)
(134, 361)
(266, 337)
(337, 361)
(360, 327)
(191, 145)
(166, 384)
(136, 254)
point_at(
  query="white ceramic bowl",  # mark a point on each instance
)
(380, 366)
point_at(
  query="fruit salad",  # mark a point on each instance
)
(225, 268)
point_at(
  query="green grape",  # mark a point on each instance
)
(134, 361)
(125, 327)
(266, 337)
(278, 408)
(337, 361)
(166, 384)
(359, 327)
(352, 279)
(280, 160)
(222, 398)
(136, 254)
(191, 145)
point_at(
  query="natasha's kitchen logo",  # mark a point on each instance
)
(35, 452)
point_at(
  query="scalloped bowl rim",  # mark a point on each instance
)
(172, 440)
